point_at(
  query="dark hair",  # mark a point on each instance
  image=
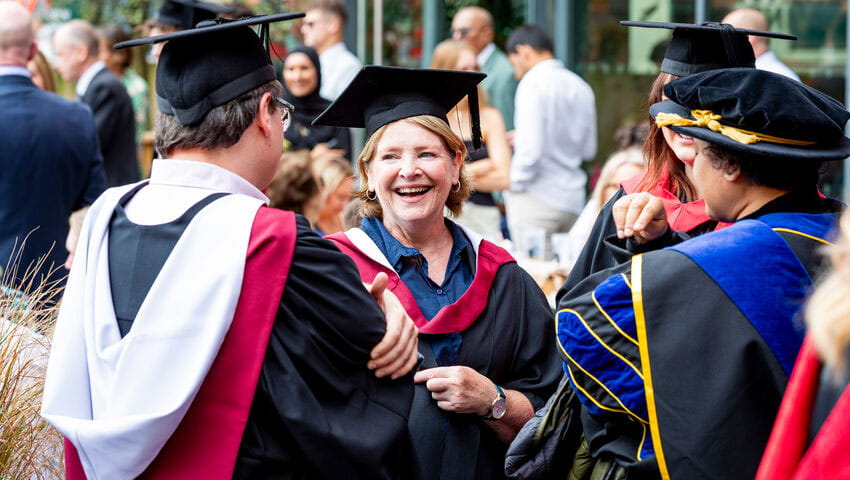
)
(333, 7)
(659, 156)
(113, 34)
(779, 173)
(294, 183)
(222, 127)
(531, 35)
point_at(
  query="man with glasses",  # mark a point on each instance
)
(474, 25)
(324, 29)
(205, 335)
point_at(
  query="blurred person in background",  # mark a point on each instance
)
(118, 62)
(752, 19)
(489, 165)
(51, 164)
(295, 187)
(42, 72)
(547, 181)
(302, 81)
(336, 180)
(176, 15)
(474, 26)
(77, 48)
(324, 30)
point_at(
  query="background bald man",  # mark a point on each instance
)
(50, 164)
(77, 48)
(474, 25)
(752, 19)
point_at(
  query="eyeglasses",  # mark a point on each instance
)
(286, 110)
(461, 32)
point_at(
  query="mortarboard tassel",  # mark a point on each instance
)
(473, 117)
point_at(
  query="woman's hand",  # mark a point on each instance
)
(397, 353)
(640, 216)
(458, 389)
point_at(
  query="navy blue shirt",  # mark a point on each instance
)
(412, 268)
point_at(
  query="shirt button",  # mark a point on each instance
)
(439, 291)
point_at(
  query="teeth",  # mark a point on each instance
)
(412, 190)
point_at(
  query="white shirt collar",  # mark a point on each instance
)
(188, 173)
(334, 49)
(87, 76)
(14, 70)
(485, 53)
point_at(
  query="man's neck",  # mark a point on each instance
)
(330, 43)
(539, 57)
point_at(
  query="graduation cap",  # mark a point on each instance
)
(207, 66)
(185, 14)
(755, 112)
(380, 95)
(697, 48)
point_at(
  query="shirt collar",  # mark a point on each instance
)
(333, 49)
(485, 53)
(14, 70)
(395, 251)
(87, 76)
(188, 173)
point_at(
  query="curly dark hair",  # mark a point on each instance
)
(773, 172)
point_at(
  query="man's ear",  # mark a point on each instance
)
(33, 51)
(266, 113)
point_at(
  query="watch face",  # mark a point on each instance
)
(499, 408)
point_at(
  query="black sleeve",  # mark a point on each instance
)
(534, 367)
(318, 410)
(595, 255)
(107, 111)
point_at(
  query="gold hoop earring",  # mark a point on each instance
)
(374, 195)
(456, 187)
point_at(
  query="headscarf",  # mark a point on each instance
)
(302, 135)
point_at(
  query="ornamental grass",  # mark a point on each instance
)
(29, 447)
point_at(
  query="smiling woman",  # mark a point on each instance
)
(489, 358)
(302, 80)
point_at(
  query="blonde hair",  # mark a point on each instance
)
(630, 156)
(446, 55)
(828, 309)
(453, 143)
(331, 171)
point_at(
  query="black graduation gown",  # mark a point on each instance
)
(317, 412)
(706, 331)
(511, 343)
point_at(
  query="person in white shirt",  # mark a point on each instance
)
(555, 130)
(323, 29)
(752, 19)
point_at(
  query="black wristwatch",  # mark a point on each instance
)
(498, 407)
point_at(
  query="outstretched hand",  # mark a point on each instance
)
(640, 216)
(397, 353)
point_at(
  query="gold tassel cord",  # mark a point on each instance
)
(711, 120)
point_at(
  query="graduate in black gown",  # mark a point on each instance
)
(205, 335)
(680, 356)
(302, 80)
(485, 326)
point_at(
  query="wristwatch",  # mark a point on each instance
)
(498, 407)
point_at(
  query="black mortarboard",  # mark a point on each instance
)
(185, 14)
(380, 95)
(207, 66)
(755, 112)
(709, 46)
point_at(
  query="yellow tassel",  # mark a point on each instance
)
(711, 120)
